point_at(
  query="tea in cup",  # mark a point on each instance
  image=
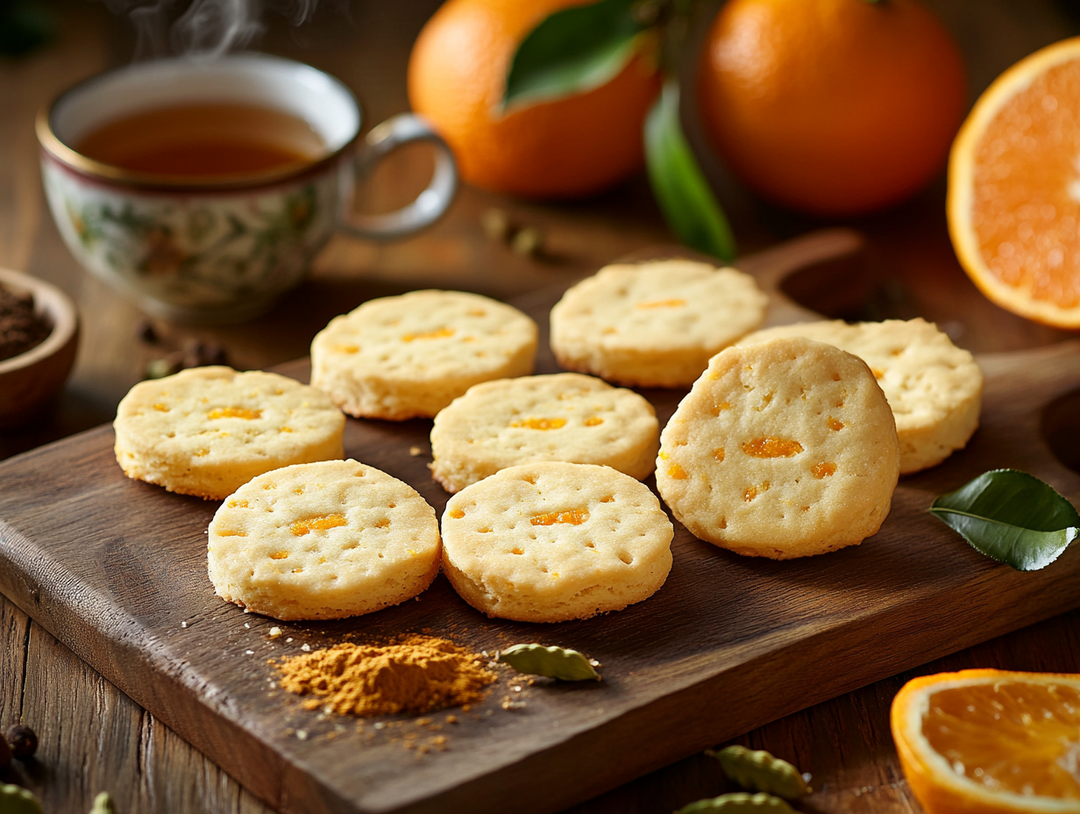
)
(204, 188)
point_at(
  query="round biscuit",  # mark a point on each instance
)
(654, 324)
(933, 387)
(781, 449)
(411, 355)
(208, 430)
(322, 540)
(558, 417)
(553, 541)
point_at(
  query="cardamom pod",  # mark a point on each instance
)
(758, 770)
(739, 802)
(17, 800)
(103, 804)
(553, 662)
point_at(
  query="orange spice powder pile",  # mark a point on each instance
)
(413, 674)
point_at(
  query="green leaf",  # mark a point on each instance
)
(573, 51)
(684, 196)
(1012, 517)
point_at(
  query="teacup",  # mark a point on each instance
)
(204, 188)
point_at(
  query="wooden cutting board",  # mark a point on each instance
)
(116, 570)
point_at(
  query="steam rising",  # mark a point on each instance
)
(202, 28)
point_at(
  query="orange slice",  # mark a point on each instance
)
(990, 741)
(1014, 188)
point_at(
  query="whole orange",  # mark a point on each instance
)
(832, 107)
(570, 146)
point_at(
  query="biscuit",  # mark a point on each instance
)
(781, 449)
(411, 355)
(207, 431)
(559, 417)
(933, 387)
(654, 324)
(322, 540)
(552, 541)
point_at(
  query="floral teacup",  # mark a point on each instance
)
(220, 248)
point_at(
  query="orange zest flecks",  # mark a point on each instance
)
(719, 408)
(766, 447)
(593, 421)
(751, 492)
(573, 517)
(161, 408)
(540, 423)
(238, 504)
(835, 424)
(718, 454)
(321, 523)
(234, 412)
(347, 348)
(676, 472)
(456, 514)
(441, 333)
(823, 470)
(878, 373)
(672, 303)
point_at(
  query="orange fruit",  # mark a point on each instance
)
(831, 107)
(1014, 188)
(567, 147)
(990, 741)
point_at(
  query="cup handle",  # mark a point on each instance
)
(429, 205)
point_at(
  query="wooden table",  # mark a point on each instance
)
(94, 738)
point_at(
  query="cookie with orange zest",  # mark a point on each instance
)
(784, 448)
(207, 431)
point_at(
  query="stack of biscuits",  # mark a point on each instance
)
(789, 443)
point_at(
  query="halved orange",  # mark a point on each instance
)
(990, 741)
(1014, 188)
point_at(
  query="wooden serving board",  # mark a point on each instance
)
(116, 570)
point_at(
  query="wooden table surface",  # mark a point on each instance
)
(94, 738)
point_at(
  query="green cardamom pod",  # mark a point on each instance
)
(17, 800)
(737, 803)
(103, 804)
(554, 662)
(759, 771)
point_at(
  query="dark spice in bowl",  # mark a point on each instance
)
(21, 327)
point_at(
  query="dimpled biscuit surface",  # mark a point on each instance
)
(322, 541)
(559, 417)
(933, 387)
(552, 541)
(654, 324)
(411, 355)
(781, 449)
(206, 431)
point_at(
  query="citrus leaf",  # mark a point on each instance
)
(679, 186)
(1012, 517)
(573, 50)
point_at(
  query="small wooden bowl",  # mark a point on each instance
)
(31, 381)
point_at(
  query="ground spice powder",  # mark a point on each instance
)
(412, 674)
